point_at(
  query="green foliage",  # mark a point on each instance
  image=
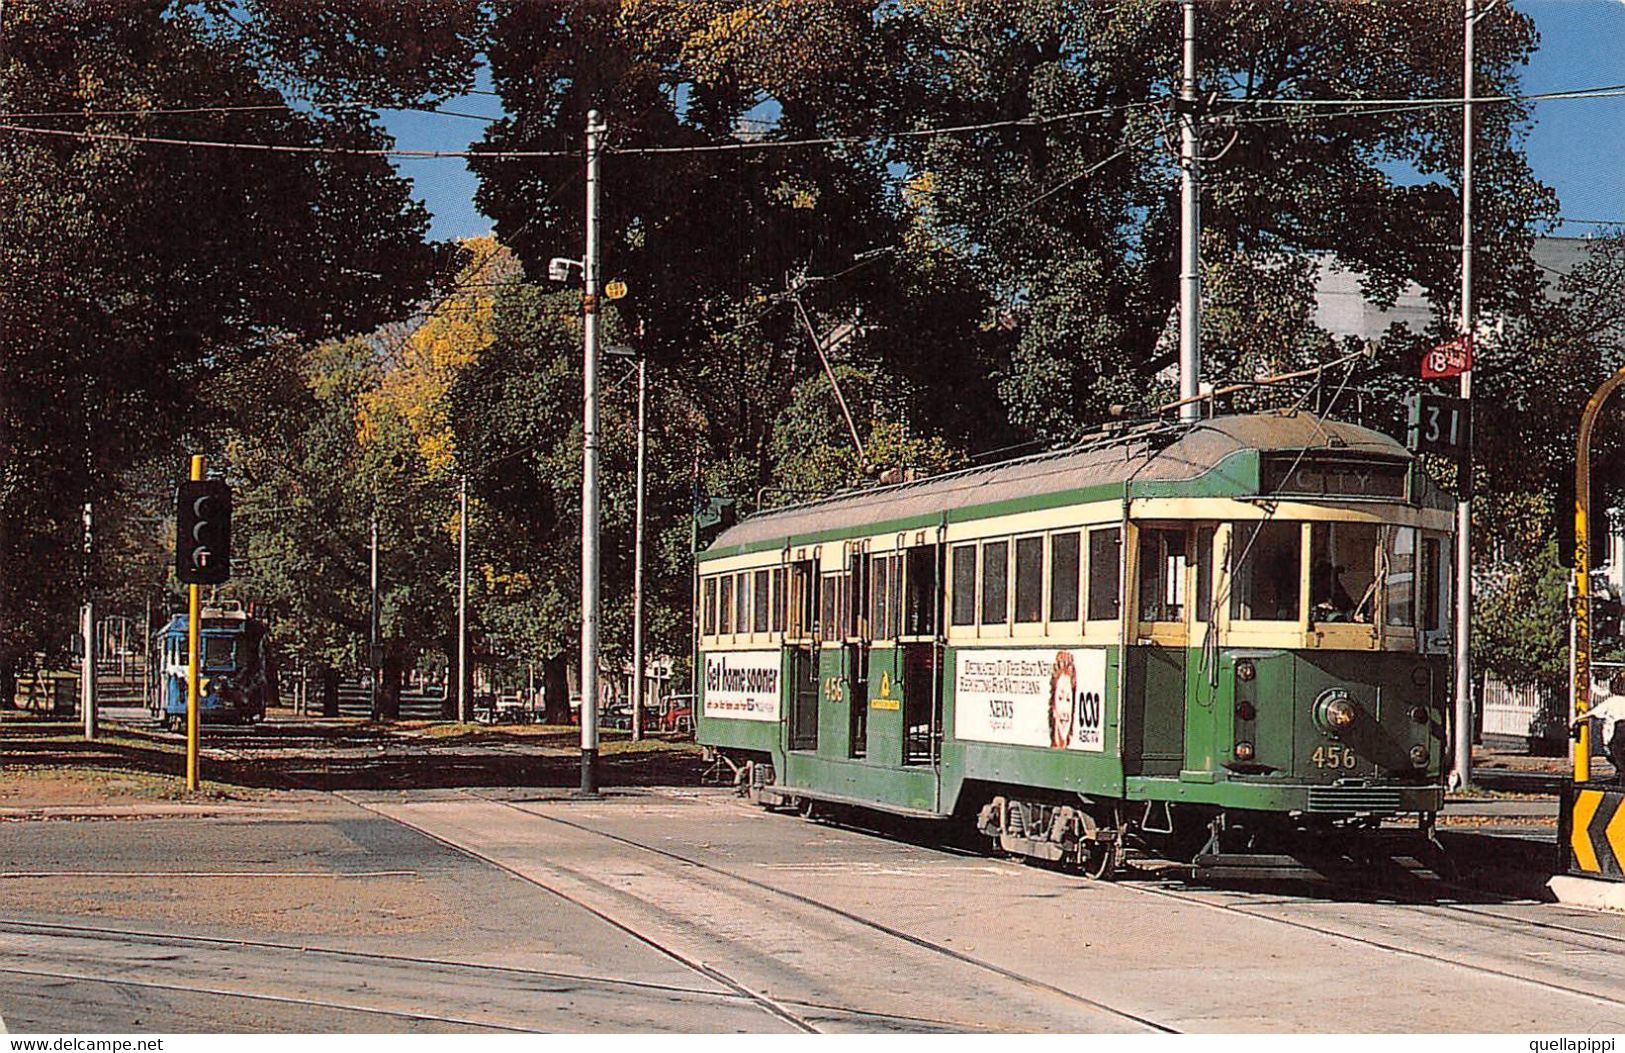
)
(135, 273)
(1520, 621)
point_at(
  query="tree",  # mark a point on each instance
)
(136, 272)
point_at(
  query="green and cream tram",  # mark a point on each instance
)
(1180, 634)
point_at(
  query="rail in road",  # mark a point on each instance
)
(1135, 955)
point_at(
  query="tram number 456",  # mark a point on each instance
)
(1334, 757)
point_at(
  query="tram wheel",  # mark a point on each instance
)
(1100, 860)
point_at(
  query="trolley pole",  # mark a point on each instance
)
(1462, 775)
(192, 626)
(465, 709)
(637, 558)
(1190, 228)
(589, 468)
(87, 661)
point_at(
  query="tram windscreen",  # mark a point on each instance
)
(1266, 560)
(219, 652)
(1343, 571)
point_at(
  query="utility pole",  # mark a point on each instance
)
(465, 711)
(372, 623)
(1462, 769)
(1190, 232)
(87, 661)
(589, 468)
(637, 559)
(194, 628)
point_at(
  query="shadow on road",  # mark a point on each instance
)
(311, 755)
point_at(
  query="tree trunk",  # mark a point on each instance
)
(555, 691)
(330, 691)
(389, 689)
(8, 683)
(454, 691)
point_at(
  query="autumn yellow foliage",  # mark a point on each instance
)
(411, 394)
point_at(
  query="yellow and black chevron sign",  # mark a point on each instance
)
(1594, 830)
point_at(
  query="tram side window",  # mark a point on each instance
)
(777, 623)
(725, 606)
(964, 612)
(857, 605)
(1105, 573)
(1029, 580)
(803, 600)
(1063, 577)
(1399, 583)
(1162, 575)
(1204, 574)
(708, 608)
(885, 580)
(995, 582)
(827, 599)
(742, 604)
(1431, 612)
(1266, 560)
(920, 591)
(759, 606)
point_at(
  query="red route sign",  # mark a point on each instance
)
(1450, 359)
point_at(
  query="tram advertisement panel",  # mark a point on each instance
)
(742, 685)
(1046, 697)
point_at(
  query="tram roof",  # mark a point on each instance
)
(1159, 453)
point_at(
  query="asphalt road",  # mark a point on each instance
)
(690, 910)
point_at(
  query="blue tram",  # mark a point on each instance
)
(234, 676)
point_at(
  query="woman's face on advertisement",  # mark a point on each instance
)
(1061, 702)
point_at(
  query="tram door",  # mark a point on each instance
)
(1155, 726)
(921, 620)
(1202, 656)
(804, 631)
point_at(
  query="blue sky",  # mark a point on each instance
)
(1576, 147)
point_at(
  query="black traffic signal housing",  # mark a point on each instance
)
(203, 532)
(1596, 525)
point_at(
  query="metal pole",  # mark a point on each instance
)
(1581, 627)
(1190, 223)
(192, 630)
(637, 560)
(146, 652)
(589, 468)
(372, 624)
(1462, 775)
(87, 661)
(465, 710)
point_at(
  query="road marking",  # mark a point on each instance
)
(1585, 806)
(4, 874)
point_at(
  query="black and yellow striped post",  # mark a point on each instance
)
(1593, 832)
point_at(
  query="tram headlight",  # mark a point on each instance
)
(1244, 751)
(1419, 756)
(1245, 670)
(1337, 713)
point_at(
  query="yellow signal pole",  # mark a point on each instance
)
(1582, 574)
(192, 661)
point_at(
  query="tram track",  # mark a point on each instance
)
(771, 1006)
(258, 996)
(919, 942)
(369, 957)
(1320, 929)
(1488, 919)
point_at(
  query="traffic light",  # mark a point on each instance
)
(1596, 526)
(203, 532)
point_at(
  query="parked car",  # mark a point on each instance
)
(678, 717)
